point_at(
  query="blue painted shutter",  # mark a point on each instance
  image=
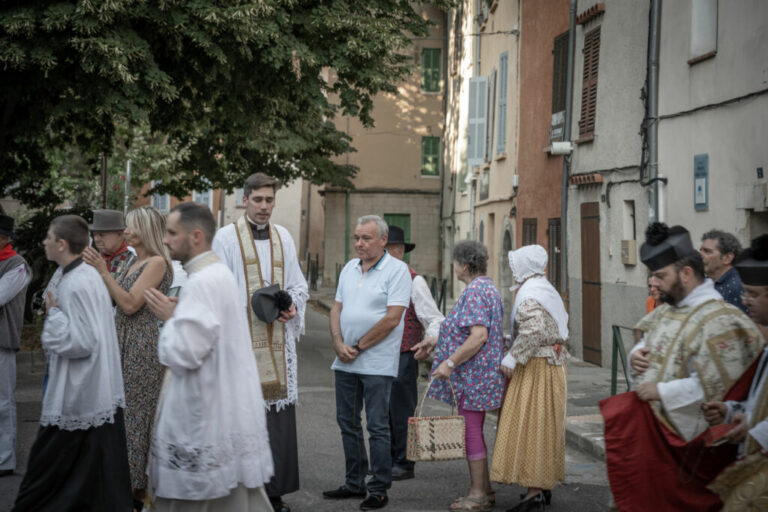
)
(478, 106)
(501, 129)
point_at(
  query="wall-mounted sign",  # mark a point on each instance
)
(701, 182)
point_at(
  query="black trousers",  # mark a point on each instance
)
(402, 403)
(77, 471)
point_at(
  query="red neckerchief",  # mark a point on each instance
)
(115, 254)
(7, 252)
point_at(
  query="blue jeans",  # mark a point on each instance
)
(352, 390)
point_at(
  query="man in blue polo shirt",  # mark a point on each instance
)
(367, 327)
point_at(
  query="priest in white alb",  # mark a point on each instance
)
(260, 253)
(210, 448)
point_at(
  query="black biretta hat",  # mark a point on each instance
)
(665, 245)
(268, 302)
(752, 264)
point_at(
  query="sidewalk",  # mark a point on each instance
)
(587, 385)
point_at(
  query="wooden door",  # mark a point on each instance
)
(590, 283)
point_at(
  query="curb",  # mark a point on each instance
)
(586, 438)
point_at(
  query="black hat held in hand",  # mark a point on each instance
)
(268, 302)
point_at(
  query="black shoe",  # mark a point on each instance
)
(547, 496)
(399, 473)
(343, 493)
(278, 505)
(138, 505)
(6, 472)
(535, 503)
(373, 502)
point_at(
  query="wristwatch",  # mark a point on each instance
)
(357, 347)
(450, 363)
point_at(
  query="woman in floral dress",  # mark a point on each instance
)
(530, 438)
(137, 331)
(469, 351)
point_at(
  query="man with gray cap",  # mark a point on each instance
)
(15, 276)
(107, 229)
(695, 346)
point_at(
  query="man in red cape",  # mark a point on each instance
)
(695, 347)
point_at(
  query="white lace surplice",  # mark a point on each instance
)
(85, 382)
(227, 246)
(211, 434)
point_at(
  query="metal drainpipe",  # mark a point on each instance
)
(567, 159)
(443, 162)
(471, 171)
(654, 212)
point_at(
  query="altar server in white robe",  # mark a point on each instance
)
(79, 460)
(270, 258)
(210, 449)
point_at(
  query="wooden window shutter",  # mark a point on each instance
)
(501, 123)
(589, 82)
(492, 93)
(478, 106)
(529, 231)
(559, 73)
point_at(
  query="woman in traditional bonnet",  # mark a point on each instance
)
(530, 439)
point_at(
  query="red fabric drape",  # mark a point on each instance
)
(652, 468)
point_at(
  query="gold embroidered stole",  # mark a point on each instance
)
(267, 340)
(759, 414)
(719, 341)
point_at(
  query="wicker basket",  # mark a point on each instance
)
(436, 437)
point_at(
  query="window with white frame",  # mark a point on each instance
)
(160, 202)
(205, 197)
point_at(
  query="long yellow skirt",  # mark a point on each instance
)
(530, 439)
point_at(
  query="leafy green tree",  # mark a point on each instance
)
(230, 86)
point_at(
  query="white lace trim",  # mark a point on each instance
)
(83, 422)
(293, 331)
(207, 458)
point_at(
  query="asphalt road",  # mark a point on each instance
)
(320, 452)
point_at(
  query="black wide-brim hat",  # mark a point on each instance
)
(397, 236)
(6, 226)
(268, 302)
(665, 245)
(752, 264)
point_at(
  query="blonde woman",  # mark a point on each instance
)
(137, 330)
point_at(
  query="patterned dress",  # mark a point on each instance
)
(142, 374)
(530, 438)
(478, 383)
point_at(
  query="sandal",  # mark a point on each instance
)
(491, 497)
(467, 503)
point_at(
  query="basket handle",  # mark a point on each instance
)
(453, 393)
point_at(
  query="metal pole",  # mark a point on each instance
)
(566, 159)
(103, 181)
(653, 112)
(127, 199)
